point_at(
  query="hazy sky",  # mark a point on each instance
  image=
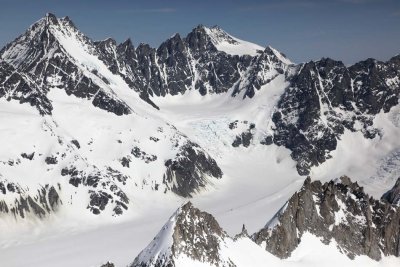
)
(347, 30)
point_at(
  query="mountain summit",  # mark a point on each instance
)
(189, 233)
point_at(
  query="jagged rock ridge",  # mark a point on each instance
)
(325, 98)
(338, 210)
(45, 201)
(393, 195)
(190, 233)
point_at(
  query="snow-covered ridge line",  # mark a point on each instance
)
(231, 45)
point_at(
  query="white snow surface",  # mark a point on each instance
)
(257, 180)
(231, 45)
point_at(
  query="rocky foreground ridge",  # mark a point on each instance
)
(338, 211)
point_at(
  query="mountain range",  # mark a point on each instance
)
(101, 130)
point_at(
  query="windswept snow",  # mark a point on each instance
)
(231, 45)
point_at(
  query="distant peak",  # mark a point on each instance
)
(51, 18)
(214, 27)
(200, 26)
(175, 36)
(106, 42)
(109, 40)
(127, 42)
(282, 57)
(187, 206)
(67, 21)
(50, 15)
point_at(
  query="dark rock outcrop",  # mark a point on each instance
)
(51, 160)
(188, 232)
(190, 63)
(393, 195)
(338, 210)
(104, 188)
(325, 98)
(138, 153)
(41, 203)
(28, 155)
(188, 171)
(15, 85)
(245, 137)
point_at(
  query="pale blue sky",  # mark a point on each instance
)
(347, 30)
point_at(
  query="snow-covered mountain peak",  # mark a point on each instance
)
(55, 54)
(50, 18)
(230, 44)
(279, 55)
(108, 40)
(66, 20)
(188, 234)
(218, 35)
(108, 45)
(40, 38)
(127, 43)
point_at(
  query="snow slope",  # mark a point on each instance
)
(231, 45)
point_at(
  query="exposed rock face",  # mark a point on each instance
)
(15, 85)
(45, 201)
(104, 188)
(263, 68)
(393, 195)
(338, 210)
(325, 98)
(43, 60)
(189, 170)
(191, 63)
(245, 137)
(189, 232)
